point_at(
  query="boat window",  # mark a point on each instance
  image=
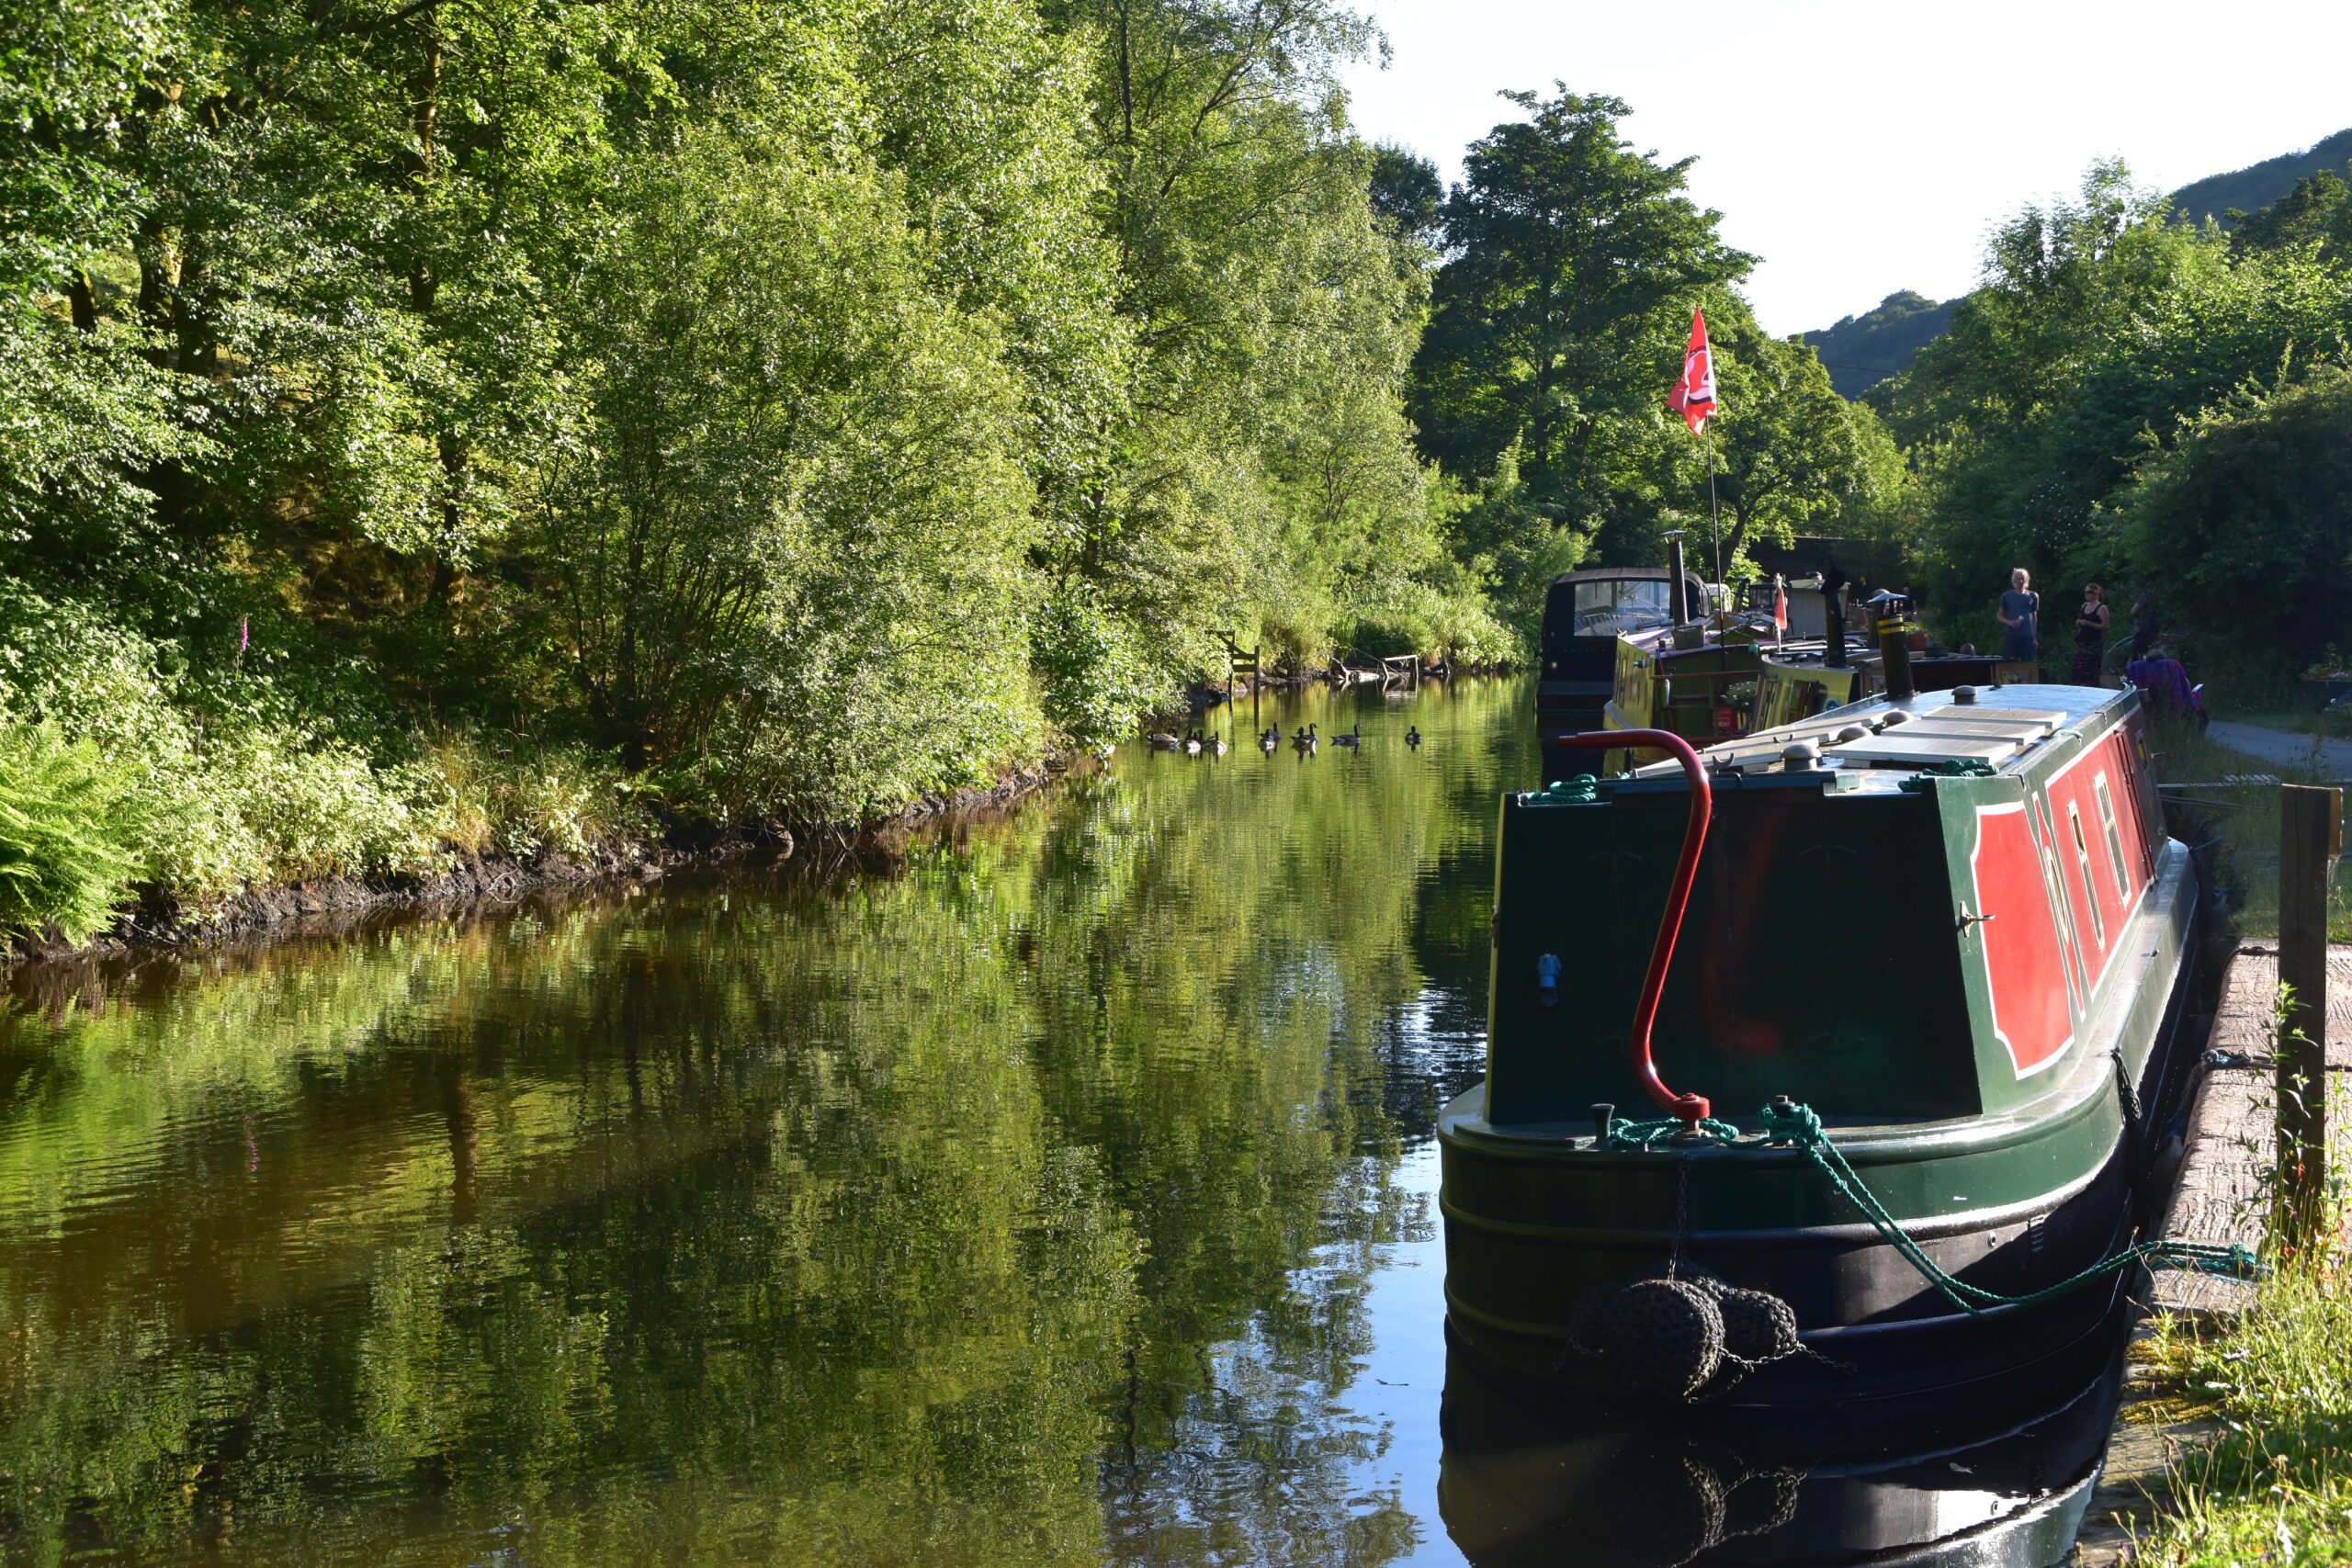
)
(1624, 605)
(2054, 890)
(2114, 835)
(2090, 887)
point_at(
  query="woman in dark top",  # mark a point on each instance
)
(2090, 636)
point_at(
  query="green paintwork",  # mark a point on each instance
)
(1820, 960)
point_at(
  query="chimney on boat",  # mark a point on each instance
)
(1894, 643)
(1684, 610)
(1832, 595)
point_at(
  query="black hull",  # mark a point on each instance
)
(1887, 1374)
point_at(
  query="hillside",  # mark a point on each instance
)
(1861, 351)
(2252, 189)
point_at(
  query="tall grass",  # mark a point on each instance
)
(2275, 1485)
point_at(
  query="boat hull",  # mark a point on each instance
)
(1538, 1219)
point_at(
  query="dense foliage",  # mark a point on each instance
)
(2151, 405)
(801, 408)
(470, 424)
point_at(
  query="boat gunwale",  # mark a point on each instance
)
(1935, 1227)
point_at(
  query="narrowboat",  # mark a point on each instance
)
(1586, 616)
(1742, 675)
(1917, 970)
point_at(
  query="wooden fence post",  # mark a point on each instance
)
(2311, 835)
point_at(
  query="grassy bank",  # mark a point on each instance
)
(2275, 1485)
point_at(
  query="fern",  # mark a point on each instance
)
(64, 823)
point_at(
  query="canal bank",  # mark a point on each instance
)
(2223, 1195)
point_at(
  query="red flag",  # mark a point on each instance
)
(1780, 601)
(1694, 395)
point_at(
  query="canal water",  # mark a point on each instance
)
(1061, 1192)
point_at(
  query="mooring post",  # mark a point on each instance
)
(2311, 835)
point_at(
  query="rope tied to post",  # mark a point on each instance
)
(1800, 1126)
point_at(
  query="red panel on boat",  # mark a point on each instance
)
(2098, 835)
(2024, 965)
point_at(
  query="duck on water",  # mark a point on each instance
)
(1935, 957)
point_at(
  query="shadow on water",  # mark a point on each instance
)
(1061, 1193)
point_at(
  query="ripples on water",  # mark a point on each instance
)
(1066, 1193)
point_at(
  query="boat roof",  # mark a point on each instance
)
(1627, 573)
(1878, 743)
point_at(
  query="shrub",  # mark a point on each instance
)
(1097, 683)
(475, 798)
(64, 820)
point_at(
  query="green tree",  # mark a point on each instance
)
(2318, 211)
(1559, 317)
(790, 538)
(2100, 331)
(2242, 528)
(1792, 456)
(1405, 191)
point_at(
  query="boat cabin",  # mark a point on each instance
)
(1584, 614)
(1905, 910)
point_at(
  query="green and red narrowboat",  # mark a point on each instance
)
(1917, 970)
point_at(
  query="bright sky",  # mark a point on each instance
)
(1863, 148)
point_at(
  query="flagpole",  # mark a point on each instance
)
(1714, 525)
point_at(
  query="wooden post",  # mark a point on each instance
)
(2311, 835)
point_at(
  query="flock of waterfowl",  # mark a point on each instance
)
(1193, 743)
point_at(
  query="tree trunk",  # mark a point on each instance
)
(84, 302)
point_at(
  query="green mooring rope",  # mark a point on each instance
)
(1958, 768)
(1800, 1126)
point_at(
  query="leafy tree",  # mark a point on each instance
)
(2100, 332)
(1792, 456)
(1268, 480)
(2242, 528)
(2318, 211)
(794, 522)
(1575, 261)
(1406, 192)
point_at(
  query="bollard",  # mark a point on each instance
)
(2311, 835)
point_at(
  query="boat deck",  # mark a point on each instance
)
(1875, 745)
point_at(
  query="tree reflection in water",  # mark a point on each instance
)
(1019, 1205)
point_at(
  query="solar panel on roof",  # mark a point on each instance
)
(1918, 745)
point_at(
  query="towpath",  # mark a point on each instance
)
(2220, 1198)
(2284, 747)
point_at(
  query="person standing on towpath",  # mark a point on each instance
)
(2021, 615)
(2090, 636)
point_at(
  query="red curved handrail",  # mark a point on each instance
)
(1692, 1109)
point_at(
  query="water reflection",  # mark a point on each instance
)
(1022, 1205)
(1524, 1485)
(1062, 1194)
